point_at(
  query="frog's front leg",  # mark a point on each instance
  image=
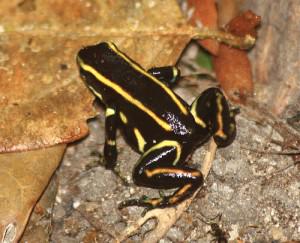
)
(110, 150)
(168, 74)
(157, 168)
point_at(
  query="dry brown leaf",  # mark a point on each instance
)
(39, 225)
(24, 177)
(205, 12)
(233, 71)
(244, 24)
(227, 9)
(232, 66)
(42, 103)
(42, 99)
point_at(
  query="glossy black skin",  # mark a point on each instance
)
(160, 166)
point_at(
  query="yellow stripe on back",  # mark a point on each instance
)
(139, 69)
(124, 94)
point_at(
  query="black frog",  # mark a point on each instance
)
(155, 121)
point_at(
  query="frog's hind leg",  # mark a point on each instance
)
(211, 111)
(157, 169)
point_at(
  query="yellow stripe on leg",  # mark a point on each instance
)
(150, 173)
(111, 142)
(178, 194)
(140, 139)
(109, 112)
(123, 117)
(220, 131)
(166, 143)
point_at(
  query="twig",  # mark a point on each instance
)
(221, 36)
(166, 217)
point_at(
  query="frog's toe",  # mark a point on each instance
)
(128, 203)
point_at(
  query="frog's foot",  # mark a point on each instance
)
(147, 203)
(163, 201)
(168, 216)
(144, 201)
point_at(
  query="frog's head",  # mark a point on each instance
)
(97, 55)
(102, 58)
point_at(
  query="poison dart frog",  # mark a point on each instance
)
(155, 121)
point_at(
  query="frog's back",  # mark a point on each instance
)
(136, 93)
(121, 81)
(129, 80)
